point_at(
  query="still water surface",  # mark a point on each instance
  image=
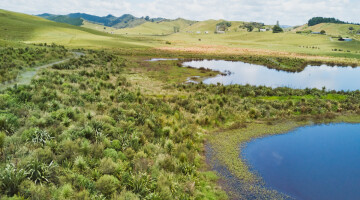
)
(314, 162)
(333, 78)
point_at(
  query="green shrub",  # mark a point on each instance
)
(11, 178)
(80, 163)
(107, 184)
(127, 195)
(40, 172)
(111, 153)
(32, 191)
(108, 166)
(2, 140)
(66, 191)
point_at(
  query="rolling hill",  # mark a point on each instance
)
(124, 21)
(332, 29)
(63, 19)
(158, 28)
(33, 29)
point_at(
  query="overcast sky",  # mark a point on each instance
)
(288, 12)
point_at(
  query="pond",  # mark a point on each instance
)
(314, 162)
(333, 78)
(161, 59)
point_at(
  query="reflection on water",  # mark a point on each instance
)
(333, 78)
(315, 162)
(161, 59)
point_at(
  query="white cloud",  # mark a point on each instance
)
(291, 12)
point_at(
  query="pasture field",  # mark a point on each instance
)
(32, 29)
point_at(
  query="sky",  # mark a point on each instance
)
(288, 12)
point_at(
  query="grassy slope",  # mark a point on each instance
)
(282, 42)
(156, 28)
(21, 27)
(210, 25)
(332, 29)
(98, 27)
(32, 29)
(236, 37)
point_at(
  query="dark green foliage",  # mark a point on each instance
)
(318, 20)
(277, 29)
(65, 19)
(2, 140)
(251, 25)
(249, 28)
(40, 172)
(8, 123)
(223, 26)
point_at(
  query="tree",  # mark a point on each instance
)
(277, 29)
(323, 32)
(249, 28)
(147, 18)
(351, 28)
(317, 20)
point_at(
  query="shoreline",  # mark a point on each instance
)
(223, 152)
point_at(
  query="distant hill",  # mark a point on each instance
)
(318, 20)
(285, 26)
(344, 30)
(125, 21)
(63, 19)
(163, 27)
(32, 29)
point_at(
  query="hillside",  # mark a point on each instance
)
(333, 29)
(124, 21)
(158, 28)
(33, 29)
(63, 19)
(210, 26)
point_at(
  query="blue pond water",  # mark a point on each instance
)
(314, 162)
(333, 78)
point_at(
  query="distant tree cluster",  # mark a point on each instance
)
(277, 29)
(251, 25)
(318, 20)
(224, 25)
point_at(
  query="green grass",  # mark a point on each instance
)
(337, 97)
(157, 28)
(32, 29)
(333, 29)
